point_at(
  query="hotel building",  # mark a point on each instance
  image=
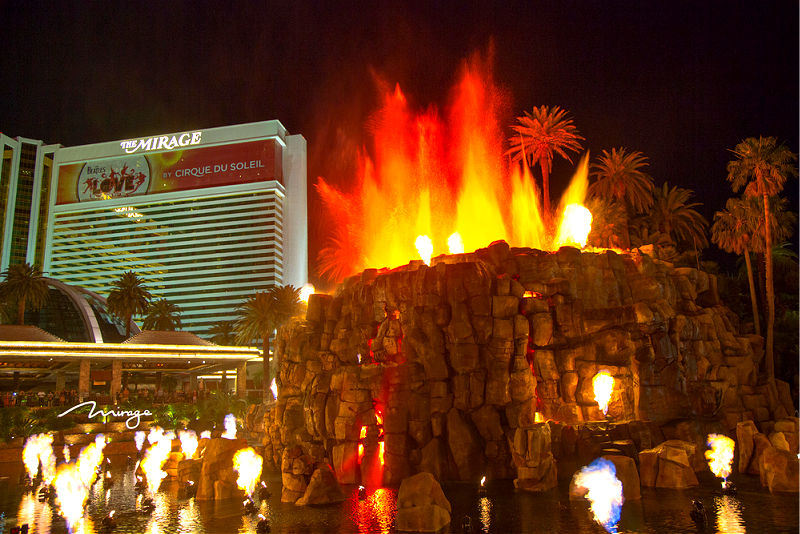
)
(206, 218)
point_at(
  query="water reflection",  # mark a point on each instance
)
(159, 519)
(376, 513)
(189, 518)
(729, 514)
(485, 506)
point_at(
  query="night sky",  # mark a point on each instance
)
(682, 82)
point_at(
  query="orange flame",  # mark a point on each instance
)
(154, 459)
(455, 245)
(432, 174)
(424, 248)
(603, 385)
(39, 450)
(247, 463)
(306, 291)
(189, 442)
(720, 455)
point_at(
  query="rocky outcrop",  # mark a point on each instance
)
(322, 488)
(217, 476)
(444, 368)
(668, 465)
(421, 505)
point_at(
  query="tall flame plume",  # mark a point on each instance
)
(247, 463)
(433, 173)
(720, 455)
(603, 386)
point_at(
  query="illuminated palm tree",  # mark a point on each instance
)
(732, 231)
(128, 297)
(619, 176)
(762, 167)
(162, 315)
(25, 286)
(261, 315)
(609, 224)
(539, 134)
(223, 333)
(673, 216)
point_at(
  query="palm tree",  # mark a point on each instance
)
(539, 134)
(261, 315)
(24, 285)
(762, 167)
(732, 231)
(676, 218)
(609, 224)
(162, 315)
(223, 333)
(128, 297)
(618, 176)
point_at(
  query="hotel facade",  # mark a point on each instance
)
(206, 218)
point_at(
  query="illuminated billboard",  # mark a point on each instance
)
(174, 170)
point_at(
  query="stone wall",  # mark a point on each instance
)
(447, 366)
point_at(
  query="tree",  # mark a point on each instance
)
(676, 218)
(128, 297)
(732, 231)
(761, 167)
(609, 224)
(162, 315)
(223, 333)
(538, 135)
(618, 177)
(25, 286)
(261, 315)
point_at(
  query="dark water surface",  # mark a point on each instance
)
(502, 510)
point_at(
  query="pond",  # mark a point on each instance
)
(501, 510)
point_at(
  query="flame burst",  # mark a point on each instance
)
(188, 442)
(433, 173)
(455, 245)
(306, 291)
(720, 455)
(230, 427)
(73, 481)
(39, 450)
(424, 248)
(603, 385)
(138, 439)
(247, 464)
(604, 491)
(154, 459)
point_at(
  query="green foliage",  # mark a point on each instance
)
(223, 333)
(22, 422)
(128, 297)
(24, 286)
(537, 136)
(176, 415)
(162, 315)
(619, 176)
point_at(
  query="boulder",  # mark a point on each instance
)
(745, 432)
(218, 467)
(421, 505)
(668, 466)
(322, 488)
(778, 470)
